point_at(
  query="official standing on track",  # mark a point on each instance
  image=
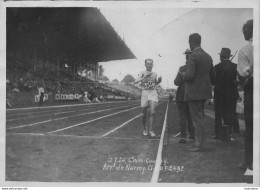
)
(148, 81)
(225, 92)
(183, 107)
(41, 93)
(198, 78)
(41, 98)
(245, 65)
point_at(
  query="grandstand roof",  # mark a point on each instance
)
(75, 32)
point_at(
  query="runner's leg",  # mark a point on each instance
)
(144, 117)
(153, 106)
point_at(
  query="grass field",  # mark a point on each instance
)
(218, 164)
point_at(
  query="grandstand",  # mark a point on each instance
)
(126, 87)
(47, 47)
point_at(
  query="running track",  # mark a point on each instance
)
(116, 121)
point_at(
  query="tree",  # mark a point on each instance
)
(115, 81)
(128, 79)
(104, 78)
(100, 70)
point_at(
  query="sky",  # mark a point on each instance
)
(162, 34)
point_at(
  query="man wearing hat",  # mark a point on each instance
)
(183, 106)
(225, 92)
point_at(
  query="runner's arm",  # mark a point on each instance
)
(138, 79)
(141, 77)
(158, 81)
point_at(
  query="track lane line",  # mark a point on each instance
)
(53, 114)
(38, 112)
(44, 111)
(127, 122)
(49, 114)
(49, 120)
(46, 107)
(29, 134)
(61, 106)
(79, 137)
(156, 171)
(122, 125)
(91, 120)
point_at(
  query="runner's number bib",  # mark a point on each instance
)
(149, 82)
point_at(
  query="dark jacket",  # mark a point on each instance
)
(181, 85)
(199, 76)
(225, 85)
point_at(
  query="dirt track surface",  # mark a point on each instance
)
(81, 152)
(103, 143)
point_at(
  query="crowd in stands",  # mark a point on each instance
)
(126, 87)
(17, 81)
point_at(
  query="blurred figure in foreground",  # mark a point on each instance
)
(245, 65)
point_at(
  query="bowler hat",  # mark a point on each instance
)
(226, 52)
(188, 51)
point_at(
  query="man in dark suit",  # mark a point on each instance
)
(198, 78)
(183, 106)
(225, 92)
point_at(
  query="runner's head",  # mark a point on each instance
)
(149, 64)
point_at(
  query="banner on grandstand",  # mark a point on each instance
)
(67, 96)
(113, 97)
(37, 98)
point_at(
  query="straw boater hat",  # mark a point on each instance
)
(188, 51)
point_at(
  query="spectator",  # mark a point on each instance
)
(8, 104)
(101, 98)
(198, 77)
(245, 65)
(183, 107)
(225, 92)
(85, 98)
(41, 98)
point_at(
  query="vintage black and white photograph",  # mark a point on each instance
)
(161, 93)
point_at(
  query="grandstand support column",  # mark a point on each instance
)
(95, 71)
(58, 62)
(34, 59)
(74, 71)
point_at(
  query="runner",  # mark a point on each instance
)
(149, 82)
